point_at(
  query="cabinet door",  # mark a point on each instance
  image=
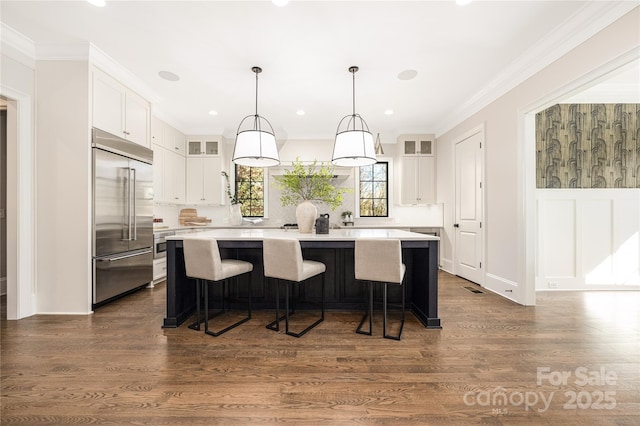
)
(158, 173)
(212, 178)
(174, 140)
(108, 104)
(426, 180)
(203, 180)
(157, 132)
(137, 119)
(174, 177)
(194, 181)
(409, 189)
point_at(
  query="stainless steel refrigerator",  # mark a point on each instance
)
(122, 216)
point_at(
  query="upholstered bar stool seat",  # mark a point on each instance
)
(203, 263)
(379, 260)
(283, 262)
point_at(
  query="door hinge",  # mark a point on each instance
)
(480, 144)
(480, 265)
(480, 185)
(480, 225)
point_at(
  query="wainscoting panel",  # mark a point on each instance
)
(559, 218)
(588, 239)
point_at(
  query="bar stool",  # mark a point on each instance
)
(283, 261)
(203, 263)
(379, 260)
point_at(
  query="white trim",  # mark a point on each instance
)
(18, 41)
(109, 65)
(63, 51)
(575, 30)
(446, 265)
(509, 289)
(526, 227)
(21, 208)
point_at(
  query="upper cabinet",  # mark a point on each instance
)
(418, 169)
(168, 163)
(119, 110)
(166, 136)
(204, 146)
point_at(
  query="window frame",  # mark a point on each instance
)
(265, 191)
(389, 162)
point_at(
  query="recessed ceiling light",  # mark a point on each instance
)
(280, 2)
(99, 3)
(168, 75)
(463, 2)
(300, 112)
(388, 112)
(407, 74)
(212, 112)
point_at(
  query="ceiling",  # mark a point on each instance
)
(460, 54)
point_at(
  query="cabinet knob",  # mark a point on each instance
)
(176, 148)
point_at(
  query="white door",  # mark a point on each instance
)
(468, 209)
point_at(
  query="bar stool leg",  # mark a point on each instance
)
(368, 313)
(275, 325)
(384, 321)
(196, 325)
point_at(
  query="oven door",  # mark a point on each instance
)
(159, 247)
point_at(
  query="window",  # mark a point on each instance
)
(250, 190)
(374, 190)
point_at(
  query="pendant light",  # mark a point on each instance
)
(255, 140)
(354, 143)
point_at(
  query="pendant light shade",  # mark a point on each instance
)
(255, 140)
(354, 145)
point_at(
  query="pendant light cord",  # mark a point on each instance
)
(256, 93)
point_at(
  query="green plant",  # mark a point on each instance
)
(345, 213)
(233, 198)
(311, 182)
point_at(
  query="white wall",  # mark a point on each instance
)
(588, 239)
(504, 221)
(64, 187)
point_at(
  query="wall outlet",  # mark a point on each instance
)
(553, 284)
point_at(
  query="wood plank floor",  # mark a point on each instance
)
(120, 367)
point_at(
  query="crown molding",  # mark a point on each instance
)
(109, 65)
(584, 24)
(16, 46)
(62, 51)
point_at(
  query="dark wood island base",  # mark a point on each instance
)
(342, 293)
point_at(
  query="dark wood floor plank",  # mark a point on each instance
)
(119, 366)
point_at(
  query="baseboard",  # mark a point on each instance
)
(501, 286)
(447, 265)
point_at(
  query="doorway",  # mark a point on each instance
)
(469, 205)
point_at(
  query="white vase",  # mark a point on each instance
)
(306, 214)
(235, 215)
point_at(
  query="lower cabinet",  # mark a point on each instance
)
(159, 269)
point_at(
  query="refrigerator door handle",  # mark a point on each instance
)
(113, 259)
(135, 207)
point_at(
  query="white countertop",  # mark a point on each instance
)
(251, 233)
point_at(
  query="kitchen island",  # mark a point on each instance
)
(335, 250)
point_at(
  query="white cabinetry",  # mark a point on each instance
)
(204, 167)
(203, 180)
(418, 169)
(118, 110)
(168, 164)
(159, 269)
(174, 177)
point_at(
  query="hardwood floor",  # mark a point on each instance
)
(119, 366)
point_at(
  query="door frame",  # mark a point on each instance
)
(21, 205)
(481, 130)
